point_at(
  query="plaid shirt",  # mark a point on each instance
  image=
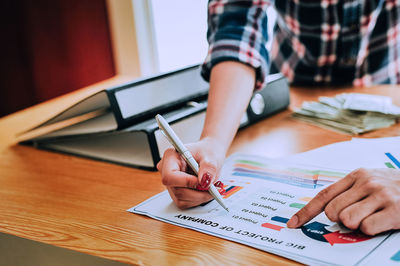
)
(315, 41)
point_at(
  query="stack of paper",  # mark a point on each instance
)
(350, 113)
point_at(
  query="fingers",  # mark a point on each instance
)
(172, 175)
(173, 166)
(179, 179)
(207, 174)
(319, 202)
(378, 222)
(187, 198)
(353, 215)
(181, 184)
(368, 200)
(172, 158)
(334, 208)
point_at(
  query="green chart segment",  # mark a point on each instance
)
(305, 178)
(389, 165)
(297, 205)
(393, 162)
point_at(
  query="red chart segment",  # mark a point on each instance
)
(345, 238)
(272, 226)
(277, 219)
(318, 231)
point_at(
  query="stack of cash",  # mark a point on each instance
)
(350, 113)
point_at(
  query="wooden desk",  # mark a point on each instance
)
(81, 204)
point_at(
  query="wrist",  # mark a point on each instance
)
(218, 147)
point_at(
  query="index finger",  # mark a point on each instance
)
(172, 174)
(319, 202)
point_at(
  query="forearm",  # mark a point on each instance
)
(231, 86)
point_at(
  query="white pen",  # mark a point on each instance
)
(187, 156)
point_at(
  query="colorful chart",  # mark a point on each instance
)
(299, 205)
(293, 176)
(274, 226)
(318, 231)
(393, 159)
(230, 191)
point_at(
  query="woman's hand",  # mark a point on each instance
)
(231, 87)
(366, 199)
(185, 189)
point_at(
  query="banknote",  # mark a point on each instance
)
(350, 113)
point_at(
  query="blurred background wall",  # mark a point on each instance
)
(49, 48)
(52, 47)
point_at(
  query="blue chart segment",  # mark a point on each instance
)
(280, 219)
(393, 159)
(318, 231)
(396, 257)
(304, 178)
(281, 178)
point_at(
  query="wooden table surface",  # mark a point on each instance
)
(81, 204)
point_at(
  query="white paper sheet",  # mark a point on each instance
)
(262, 194)
(369, 153)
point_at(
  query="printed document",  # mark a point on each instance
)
(263, 194)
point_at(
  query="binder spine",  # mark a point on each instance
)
(269, 100)
(115, 109)
(141, 100)
(153, 149)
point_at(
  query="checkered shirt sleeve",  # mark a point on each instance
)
(315, 42)
(237, 31)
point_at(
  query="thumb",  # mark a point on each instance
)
(207, 174)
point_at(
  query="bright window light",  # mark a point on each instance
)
(180, 28)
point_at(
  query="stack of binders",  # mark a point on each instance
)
(117, 124)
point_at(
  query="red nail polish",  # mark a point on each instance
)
(206, 180)
(199, 187)
(219, 184)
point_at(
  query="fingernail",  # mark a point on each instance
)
(206, 180)
(292, 223)
(219, 184)
(199, 187)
